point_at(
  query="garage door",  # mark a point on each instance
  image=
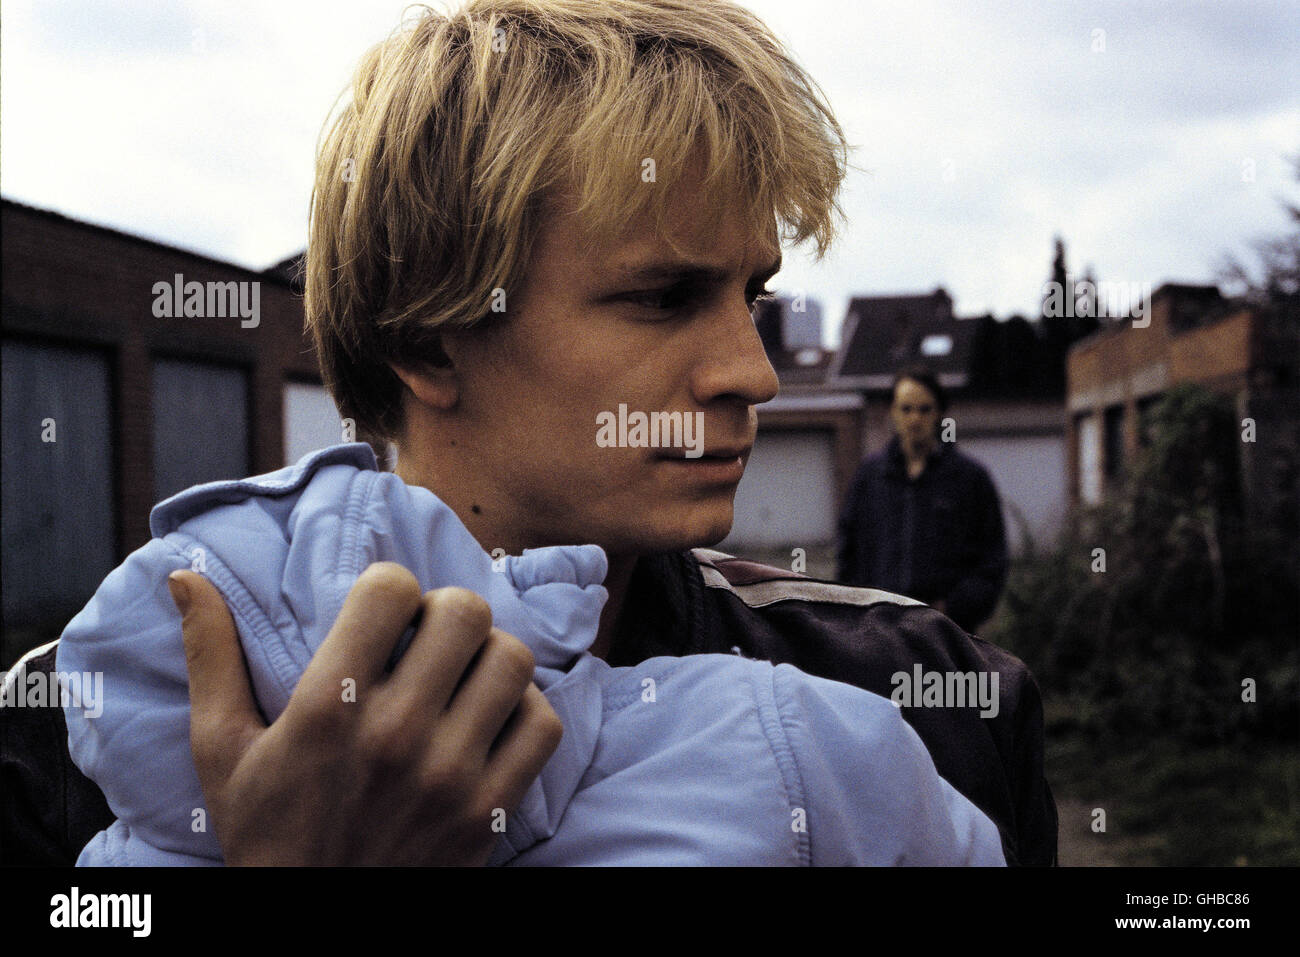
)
(787, 497)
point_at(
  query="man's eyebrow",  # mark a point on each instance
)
(682, 270)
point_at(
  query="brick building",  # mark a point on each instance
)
(1194, 335)
(131, 370)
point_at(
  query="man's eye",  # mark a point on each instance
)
(665, 300)
(679, 297)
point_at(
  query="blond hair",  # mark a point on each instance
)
(431, 183)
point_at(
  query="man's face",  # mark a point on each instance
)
(632, 324)
(915, 414)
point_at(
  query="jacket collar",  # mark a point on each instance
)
(664, 611)
(896, 464)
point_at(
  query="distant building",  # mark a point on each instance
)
(803, 324)
(1005, 379)
(882, 334)
(131, 370)
(808, 444)
(791, 331)
(1195, 335)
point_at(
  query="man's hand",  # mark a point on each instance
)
(405, 768)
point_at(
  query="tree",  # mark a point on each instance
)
(1275, 282)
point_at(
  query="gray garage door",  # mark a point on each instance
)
(58, 529)
(787, 497)
(200, 424)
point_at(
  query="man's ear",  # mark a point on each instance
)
(436, 386)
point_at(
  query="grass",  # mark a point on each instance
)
(1171, 804)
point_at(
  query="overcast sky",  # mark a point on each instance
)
(1153, 136)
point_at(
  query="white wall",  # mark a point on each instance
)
(787, 497)
(310, 420)
(1030, 475)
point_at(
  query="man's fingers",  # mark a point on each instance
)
(454, 626)
(491, 691)
(380, 606)
(223, 714)
(526, 743)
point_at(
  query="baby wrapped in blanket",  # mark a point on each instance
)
(708, 759)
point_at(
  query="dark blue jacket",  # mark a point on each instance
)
(938, 537)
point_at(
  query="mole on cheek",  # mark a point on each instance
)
(475, 509)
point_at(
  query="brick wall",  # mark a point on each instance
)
(1126, 365)
(77, 284)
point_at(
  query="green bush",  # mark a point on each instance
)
(1194, 598)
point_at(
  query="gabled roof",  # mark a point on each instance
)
(882, 334)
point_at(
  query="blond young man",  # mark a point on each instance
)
(528, 214)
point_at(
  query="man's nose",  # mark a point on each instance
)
(734, 362)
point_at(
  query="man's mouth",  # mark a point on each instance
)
(715, 455)
(716, 467)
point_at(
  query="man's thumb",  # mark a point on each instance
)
(222, 709)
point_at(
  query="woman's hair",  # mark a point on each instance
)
(924, 375)
(433, 179)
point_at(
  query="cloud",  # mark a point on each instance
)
(981, 130)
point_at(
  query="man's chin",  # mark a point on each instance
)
(709, 538)
(704, 532)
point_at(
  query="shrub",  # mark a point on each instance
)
(1194, 598)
